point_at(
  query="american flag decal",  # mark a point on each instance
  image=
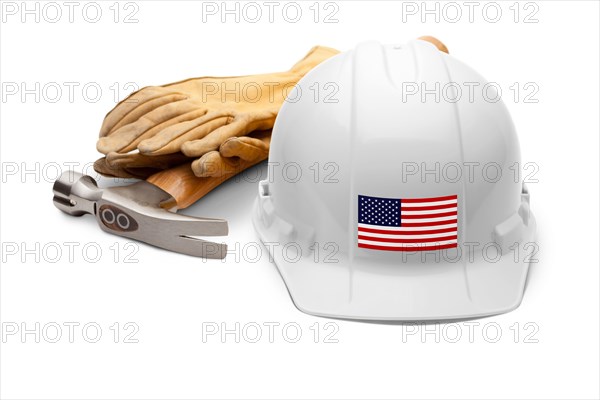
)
(407, 224)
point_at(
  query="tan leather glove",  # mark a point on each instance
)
(196, 116)
(233, 156)
(137, 165)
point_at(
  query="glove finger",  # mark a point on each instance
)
(136, 105)
(159, 128)
(238, 127)
(213, 164)
(172, 138)
(128, 136)
(233, 153)
(137, 160)
(102, 167)
(246, 147)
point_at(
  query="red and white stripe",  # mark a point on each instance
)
(425, 224)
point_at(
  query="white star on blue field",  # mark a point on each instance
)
(378, 211)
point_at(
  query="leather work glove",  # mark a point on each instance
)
(234, 155)
(195, 116)
(137, 165)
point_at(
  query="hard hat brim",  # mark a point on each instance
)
(433, 291)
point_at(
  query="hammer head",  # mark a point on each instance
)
(75, 193)
(134, 211)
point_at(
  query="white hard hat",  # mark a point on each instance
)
(393, 193)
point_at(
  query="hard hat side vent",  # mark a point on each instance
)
(263, 188)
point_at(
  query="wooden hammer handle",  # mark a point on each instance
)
(186, 188)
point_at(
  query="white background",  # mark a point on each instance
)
(170, 296)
